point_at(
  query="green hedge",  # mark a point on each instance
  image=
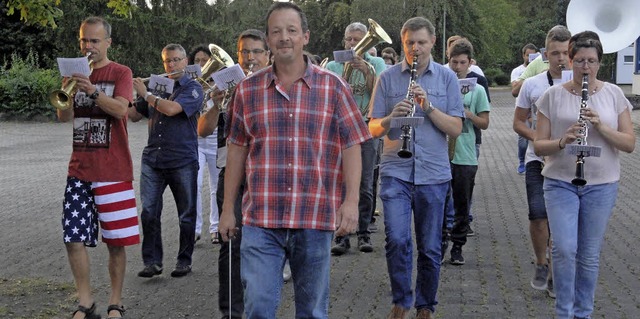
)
(24, 89)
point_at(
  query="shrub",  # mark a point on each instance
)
(24, 88)
(491, 75)
(502, 79)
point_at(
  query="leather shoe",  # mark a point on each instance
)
(181, 271)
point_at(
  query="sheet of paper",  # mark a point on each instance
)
(69, 66)
(343, 56)
(567, 75)
(467, 85)
(159, 85)
(194, 71)
(228, 77)
(533, 56)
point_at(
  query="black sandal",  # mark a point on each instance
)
(89, 313)
(117, 308)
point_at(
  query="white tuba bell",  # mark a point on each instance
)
(615, 21)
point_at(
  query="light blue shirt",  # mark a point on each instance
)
(362, 100)
(430, 161)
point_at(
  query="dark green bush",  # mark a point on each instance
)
(24, 88)
(491, 75)
(502, 79)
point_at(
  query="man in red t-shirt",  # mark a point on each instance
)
(99, 188)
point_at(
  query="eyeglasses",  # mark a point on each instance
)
(174, 60)
(254, 51)
(349, 39)
(84, 41)
(582, 63)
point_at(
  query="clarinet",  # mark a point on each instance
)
(404, 152)
(584, 130)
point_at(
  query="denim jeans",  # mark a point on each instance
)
(535, 195)
(237, 291)
(369, 150)
(264, 252)
(400, 199)
(182, 182)
(522, 148)
(462, 183)
(578, 217)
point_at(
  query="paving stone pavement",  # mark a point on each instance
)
(494, 283)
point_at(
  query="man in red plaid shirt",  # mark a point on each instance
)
(296, 132)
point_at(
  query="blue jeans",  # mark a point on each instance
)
(264, 251)
(522, 148)
(369, 150)
(399, 199)
(182, 182)
(578, 218)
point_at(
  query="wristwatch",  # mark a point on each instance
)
(147, 95)
(429, 109)
(95, 94)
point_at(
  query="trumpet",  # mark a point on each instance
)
(61, 99)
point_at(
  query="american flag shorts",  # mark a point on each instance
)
(112, 204)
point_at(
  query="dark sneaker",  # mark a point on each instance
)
(521, 169)
(550, 290)
(444, 246)
(342, 246)
(181, 271)
(470, 232)
(456, 255)
(373, 227)
(539, 280)
(150, 271)
(364, 244)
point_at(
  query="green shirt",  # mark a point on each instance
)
(362, 100)
(465, 152)
(534, 68)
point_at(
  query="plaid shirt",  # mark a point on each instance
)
(295, 141)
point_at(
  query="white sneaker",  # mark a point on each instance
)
(286, 272)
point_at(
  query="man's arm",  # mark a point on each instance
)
(515, 87)
(233, 177)
(208, 122)
(520, 119)
(347, 215)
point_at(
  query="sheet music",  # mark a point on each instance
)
(160, 84)
(342, 56)
(193, 71)
(228, 77)
(533, 56)
(567, 75)
(467, 85)
(69, 66)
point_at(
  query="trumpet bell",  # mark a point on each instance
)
(615, 22)
(60, 99)
(219, 59)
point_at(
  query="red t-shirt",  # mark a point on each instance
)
(100, 141)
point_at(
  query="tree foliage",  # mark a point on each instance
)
(141, 28)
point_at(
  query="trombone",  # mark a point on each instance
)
(61, 99)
